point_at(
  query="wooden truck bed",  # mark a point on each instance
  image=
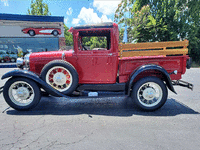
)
(153, 49)
(169, 55)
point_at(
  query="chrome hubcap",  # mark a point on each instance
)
(150, 94)
(21, 93)
(59, 78)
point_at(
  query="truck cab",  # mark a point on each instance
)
(98, 64)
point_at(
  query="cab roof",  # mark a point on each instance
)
(100, 25)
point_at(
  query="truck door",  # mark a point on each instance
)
(97, 65)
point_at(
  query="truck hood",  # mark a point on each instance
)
(51, 55)
(38, 60)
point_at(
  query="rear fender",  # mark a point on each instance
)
(34, 77)
(151, 67)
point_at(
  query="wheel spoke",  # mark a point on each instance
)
(21, 93)
(68, 82)
(59, 78)
(59, 70)
(154, 100)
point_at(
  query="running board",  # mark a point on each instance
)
(183, 83)
(101, 93)
(102, 87)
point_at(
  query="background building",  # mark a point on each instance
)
(20, 34)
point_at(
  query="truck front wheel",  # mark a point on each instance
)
(61, 75)
(149, 93)
(21, 93)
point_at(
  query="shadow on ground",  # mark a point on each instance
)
(112, 106)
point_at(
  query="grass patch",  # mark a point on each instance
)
(195, 65)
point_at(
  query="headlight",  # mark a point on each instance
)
(26, 60)
(23, 63)
(20, 62)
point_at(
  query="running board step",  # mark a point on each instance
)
(102, 87)
(101, 93)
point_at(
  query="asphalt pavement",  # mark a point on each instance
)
(111, 123)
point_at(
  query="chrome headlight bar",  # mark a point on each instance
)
(20, 62)
(23, 63)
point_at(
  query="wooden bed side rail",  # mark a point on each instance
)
(153, 49)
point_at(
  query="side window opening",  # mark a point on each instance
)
(94, 40)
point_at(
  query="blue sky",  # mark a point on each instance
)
(75, 12)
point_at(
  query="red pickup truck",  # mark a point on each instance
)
(142, 71)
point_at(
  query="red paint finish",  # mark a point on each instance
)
(169, 63)
(39, 60)
(97, 66)
(101, 66)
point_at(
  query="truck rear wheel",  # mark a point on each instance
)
(149, 93)
(61, 75)
(21, 93)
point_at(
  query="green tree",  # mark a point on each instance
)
(68, 36)
(193, 9)
(150, 20)
(166, 20)
(95, 42)
(38, 8)
(41, 9)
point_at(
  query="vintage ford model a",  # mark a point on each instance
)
(142, 71)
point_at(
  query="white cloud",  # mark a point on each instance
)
(5, 2)
(75, 21)
(104, 18)
(69, 11)
(106, 7)
(88, 16)
(65, 20)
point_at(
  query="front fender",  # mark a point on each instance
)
(34, 77)
(151, 67)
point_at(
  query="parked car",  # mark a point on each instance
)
(4, 57)
(3, 46)
(12, 56)
(142, 71)
(44, 31)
